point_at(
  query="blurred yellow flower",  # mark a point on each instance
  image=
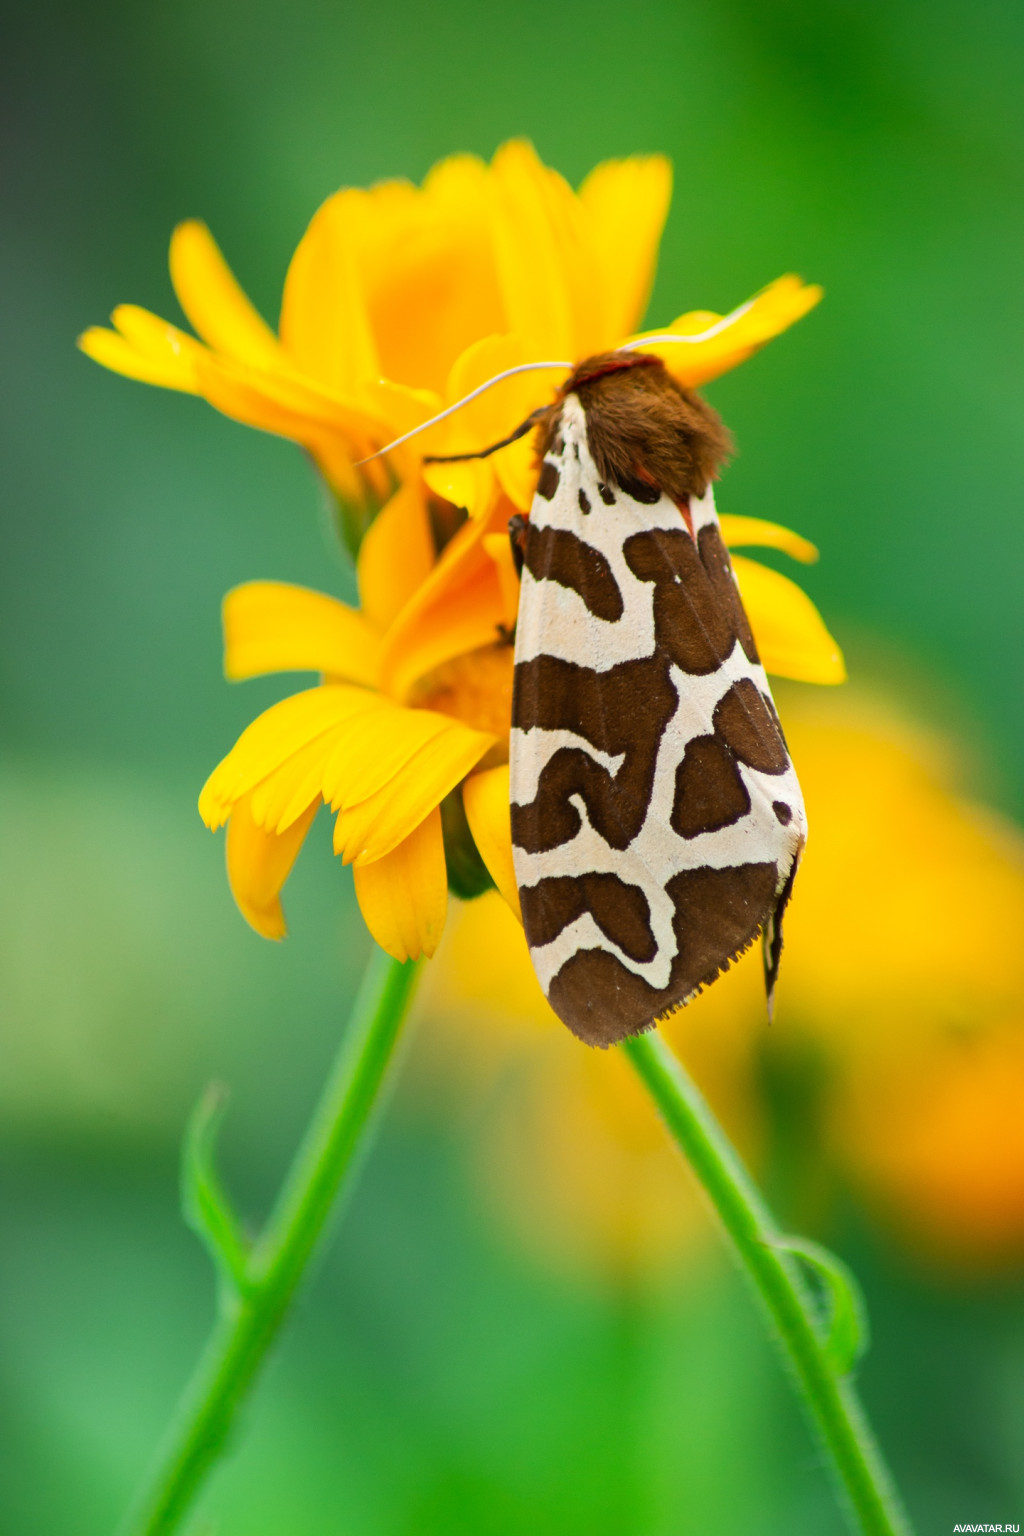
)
(903, 976)
(401, 299)
(566, 1150)
(936, 1145)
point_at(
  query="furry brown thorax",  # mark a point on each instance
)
(642, 426)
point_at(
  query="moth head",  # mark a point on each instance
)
(642, 425)
(643, 428)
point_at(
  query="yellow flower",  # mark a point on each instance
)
(400, 300)
(414, 706)
(902, 984)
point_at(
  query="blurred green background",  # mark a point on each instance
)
(436, 1379)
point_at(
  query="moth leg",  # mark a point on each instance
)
(771, 939)
(533, 420)
(517, 526)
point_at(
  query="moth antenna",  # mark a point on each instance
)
(451, 409)
(485, 453)
(705, 335)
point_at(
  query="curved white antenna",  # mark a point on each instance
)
(450, 411)
(630, 346)
(712, 330)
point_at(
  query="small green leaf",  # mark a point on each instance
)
(205, 1204)
(848, 1328)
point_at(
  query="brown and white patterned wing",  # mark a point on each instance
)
(656, 816)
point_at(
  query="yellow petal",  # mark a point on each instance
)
(286, 396)
(367, 831)
(160, 341)
(767, 314)
(282, 797)
(209, 294)
(578, 260)
(531, 251)
(272, 737)
(113, 351)
(476, 688)
(396, 555)
(348, 764)
(459, 608)
(486, 420)
(486, 799)
(428, 269)
(333, 455)
(248, 396)
(469, 485)
(272, 626)
(404, 897)
(336, 432)
(625, 203)
(499, 411)
(789, 630)
(403, 409)
(499, 547)
(324, 322)
(752, 530)
(258, 865)
(399, 405)
(479, 424)
(516, 468)
(374, 749)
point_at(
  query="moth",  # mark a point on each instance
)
(657, 821)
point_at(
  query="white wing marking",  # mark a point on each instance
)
(554, 621)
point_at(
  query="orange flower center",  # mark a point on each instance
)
(475, 688)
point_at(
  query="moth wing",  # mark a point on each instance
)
(656, 816)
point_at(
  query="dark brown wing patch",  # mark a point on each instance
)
(621, 712)
(547, 482)
(743, 721)
(714, 558)
(554, 554)
(718, 913)
(692, 623)
(620, 911)
(709, 791)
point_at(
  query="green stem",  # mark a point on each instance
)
(253, 1309)
(865, 1485)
